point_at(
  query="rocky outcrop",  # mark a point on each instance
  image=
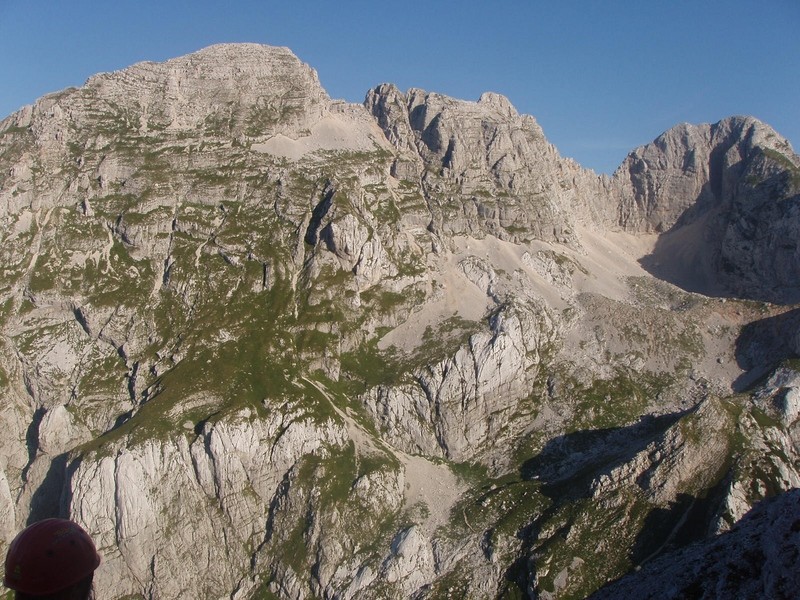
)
(260, 342)
(483, 167)
(459, 406)
(724, 196)
(212, 493)
(669, 478)
(780, 396)
(756, 558)
(685, 459)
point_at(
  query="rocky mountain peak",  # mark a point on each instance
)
(508, 177)
(264, 343)
(225, 69)
(691, 164)
(239, 90)
(499, 103)
(713, 190)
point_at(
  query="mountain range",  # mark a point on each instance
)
(266, 344)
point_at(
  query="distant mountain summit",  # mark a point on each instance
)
(714, 188)
(264, 343)
(243, 87)
(723, 195)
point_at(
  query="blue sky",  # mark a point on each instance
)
(600, 76)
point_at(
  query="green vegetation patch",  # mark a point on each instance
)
(320, 499)
(785, 162)
(587, 541)
(614, 402)
(369, 367)
(265, 115)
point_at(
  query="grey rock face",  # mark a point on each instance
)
(462, 403)
(725, 194)
(483, 167)
(261, 342)
(246, 90)
(756, 558)
(212, 492)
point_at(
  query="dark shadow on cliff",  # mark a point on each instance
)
(53, 497)
(762, 345)
(686, 258)
(566, 468)
(46, 500)
(688, 255)
(687, 520)
(32, 439)
(569, 463)
(730, 565)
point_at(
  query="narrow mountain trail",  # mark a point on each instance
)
(427, 484)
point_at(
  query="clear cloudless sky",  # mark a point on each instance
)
(600, 76)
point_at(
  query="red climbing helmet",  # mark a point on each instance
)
(48, 556)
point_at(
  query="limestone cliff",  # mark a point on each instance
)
(723, 195)
(263, 343)
(756, 558)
